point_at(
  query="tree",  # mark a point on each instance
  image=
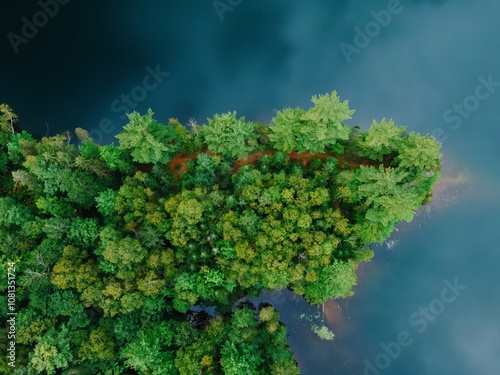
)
(322, 124)
(388, 197)
(420, 153)
(12, 213)
(230, 136)
(287, 124)
(148, 140)
(330, 110)
(14, 146)
(374, 183)
(186, 212)
(242, 359)
(83, 232)
(334, 280)
(7, 121)
(88, 160)
(99, 345)
(83, 135)
(52, 352)
(145, 355)
(320, 127)
(383, 138)
(74, 270)
(106, 202)
(115, 158)
(126, 252)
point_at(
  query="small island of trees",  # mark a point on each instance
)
(131, 258)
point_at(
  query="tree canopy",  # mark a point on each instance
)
(313, 130)
(135, 258)
(230, 136)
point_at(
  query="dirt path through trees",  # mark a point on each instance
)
(179, 163)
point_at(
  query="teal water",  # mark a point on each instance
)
(267, 55)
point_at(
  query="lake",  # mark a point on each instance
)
(429, 301)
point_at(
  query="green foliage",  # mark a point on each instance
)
(315, 130)
(364, 255)
(12, 213)
(83, 232)
(420, 153)
(115, 158)
(145, 355)
(83, 135)
(388, 197)
(323, 125)
(287, 124)
(7, 121)
(117, 260)
(3, 162)
(334, 280)
(329, 109)
(125, 252)
(240, 359)
(323, 332)
(148, 140)
(98, 346)
(383, 138)
(14, 146)
(230, 136)
(52, 352)
(106, 202)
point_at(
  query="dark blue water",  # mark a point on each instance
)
(434, 67)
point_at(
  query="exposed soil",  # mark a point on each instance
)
(250, 159)
(179, 163)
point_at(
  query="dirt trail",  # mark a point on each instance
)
(179, 164)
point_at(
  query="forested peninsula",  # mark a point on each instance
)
(131, 258)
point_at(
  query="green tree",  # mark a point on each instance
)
(115, 158)
(230, 136)
(52, 352)
(388, 197)
(7, 121)
(242, 359)
(420, 153)
(287, 125)
(98, 346)
(14, 146)
(334, 280)
(148, 140)
(322, 124)
(83, 232)
(106, 202)
(383, 138)
(126, 252)
(320, 127)
(146, 356)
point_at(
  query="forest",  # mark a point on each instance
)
(134, 257)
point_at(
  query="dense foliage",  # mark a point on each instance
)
(120, 250)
